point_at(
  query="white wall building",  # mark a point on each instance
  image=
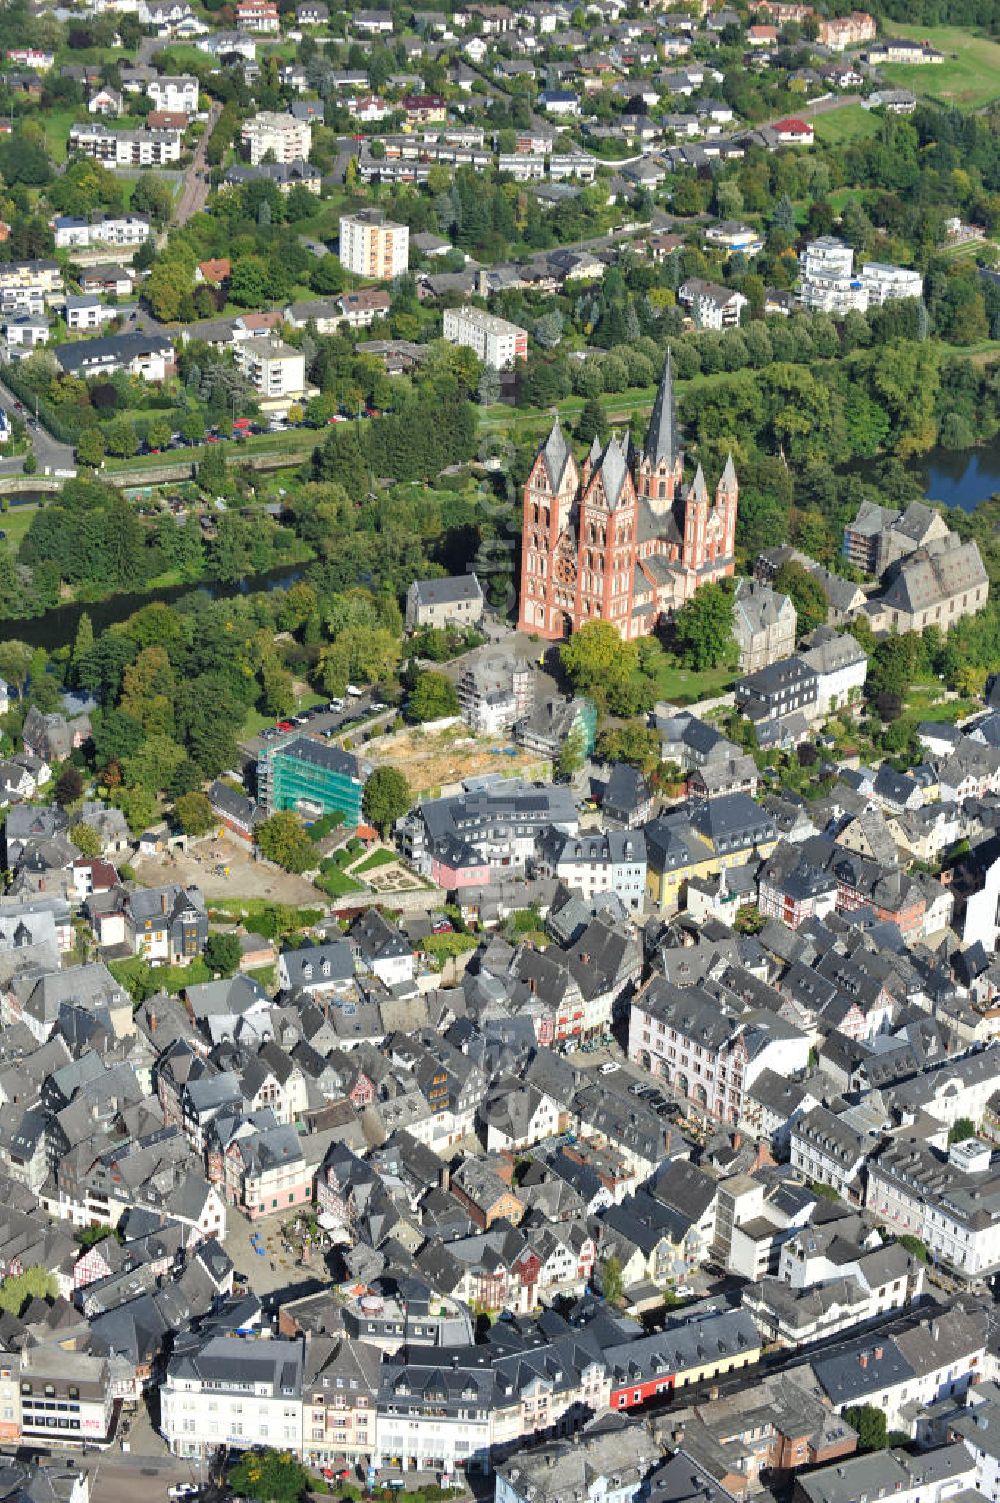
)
(373, 246)
(178, 93)
(288, 139)
(235, 1393)
(496, 341)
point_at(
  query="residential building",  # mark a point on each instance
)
(373, 246)
(495, 341)
(434, 1412)
(593, 863)
(455, 600)
(83, 234)
(935, 585)
(603, 543)
(951, 1203)
(226, 1391)
(840, 664)
(288, 139)
(707, 1047)
(276, 370)
(763, 625)
(150, 356)
(175, 92)
(779, 690)
(712, 306)
(840, 32)
(126, 148)
(66, 1397)
(828, 281)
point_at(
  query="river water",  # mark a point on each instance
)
(58, 626)
(961, 477)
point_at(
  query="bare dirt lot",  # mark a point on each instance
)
(246, 878)
(430, 760)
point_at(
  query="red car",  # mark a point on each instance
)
(285, 725)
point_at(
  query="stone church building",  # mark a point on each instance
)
(621, 539)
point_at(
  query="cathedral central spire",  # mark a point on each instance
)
(662, 440)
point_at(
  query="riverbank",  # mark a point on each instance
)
(58, 626)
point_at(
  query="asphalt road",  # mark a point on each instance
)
(50, 453)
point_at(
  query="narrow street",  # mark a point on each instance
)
(50, 453)
(194, 192)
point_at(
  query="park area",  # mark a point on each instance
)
(431, 760)
(968, 78)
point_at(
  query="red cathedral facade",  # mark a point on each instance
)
(622, 539)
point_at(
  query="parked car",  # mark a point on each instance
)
(609, 1068)
(285, 725)
(183, 1490)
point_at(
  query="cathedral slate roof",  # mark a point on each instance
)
(662, 439)
(555, 453)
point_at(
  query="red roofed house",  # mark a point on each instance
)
(424, 109)
(794, 132)
(762, 36)
(167, 120)
(215, 271)
(257, 15)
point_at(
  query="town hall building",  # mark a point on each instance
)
(622, 539)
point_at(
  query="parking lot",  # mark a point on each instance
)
(352, 714)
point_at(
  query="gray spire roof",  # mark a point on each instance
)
(728, 481)
(699, 490)
(662, 438)
(555, 452)
(614, 468)
(595, 451)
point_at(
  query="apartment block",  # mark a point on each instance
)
(373, 246)
(287, 139)
(495, 341)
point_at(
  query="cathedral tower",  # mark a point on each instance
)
(548, 549)
(661, 467)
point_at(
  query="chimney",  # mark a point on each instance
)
(153, 1022)
(677, 1437)
(737, 1141)
(444, 1177)
(163, 902)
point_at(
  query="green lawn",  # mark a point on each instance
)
(852, 123)
(374, 861)
(15, 523)
(57, 123)
(968, 78)
(135, 974)
(683, 686)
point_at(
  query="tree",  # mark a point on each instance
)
(222, 953)
(269, 1477)
(592, 422)
(595, 657)
(432, 697)
(284, 840)
(90, 447)
(122, 439)
(703, 630)
(612, 1283)
(870, 1424)
(69, 785)
(194, 813)
(86, 840)
(964, 1128)
(806, 594)
(386, 798)
(914, 1245)
(34, 1283)
(490, 389)
(571, 756)
(15, 662)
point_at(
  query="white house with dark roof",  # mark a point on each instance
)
(455, 600)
